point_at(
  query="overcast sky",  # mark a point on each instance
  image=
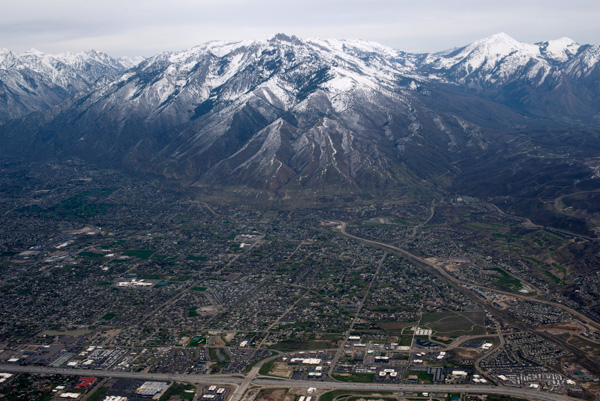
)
(146, 27)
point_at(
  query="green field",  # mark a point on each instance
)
(424, 377)
(559, 268)
(344, 394)
(534, 260)
(552, 277)
(98, 394)
(454, 324)
(266, 368)
(507, 236)
(296, 345)
(179, 389)
(479, 227)
(82, 205)
(505, 280)
(248, 368)
(354, 377)
(394, 328)
(196, 341)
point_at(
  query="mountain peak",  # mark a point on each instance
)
(487, 54)
(282, 37)
(284, 112)
(560, 50)
(35, 52)
(502, 44)
(499, 37)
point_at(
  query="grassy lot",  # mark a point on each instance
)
(355, 377)
(507, 236)
(296, 345)
(559, 268)
(178, 389)
(534, 260)
(79, 207)
(424, 377)
(405, 341)
(395, 328)
(556, 280)
(196, 342)
(453, 324)
(331, 395)
(249, 367)
(494, 397)
(375, 397)
(480, 227)
(98, 394)
(266, 368)
(507, 281)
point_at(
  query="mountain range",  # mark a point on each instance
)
(285, 113)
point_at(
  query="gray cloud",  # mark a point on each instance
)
(145, 27)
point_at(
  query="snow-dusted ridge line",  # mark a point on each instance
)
(352, 66)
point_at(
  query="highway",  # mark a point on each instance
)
(448, 276)
(213, 379)
(427, 388)
(238, 380)
(242, 383)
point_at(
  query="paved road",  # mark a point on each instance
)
(441, 388)
(214, 379)
(549, 229)
(238, 380)
(241, 389)
(341, 348)
(448, 276)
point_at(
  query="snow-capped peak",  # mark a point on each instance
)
(495, 59)
(489, 51)
(560, 50)
(5, 55)
(35, 52)
(42, 80)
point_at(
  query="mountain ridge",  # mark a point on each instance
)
(284, 113)
(36, 82)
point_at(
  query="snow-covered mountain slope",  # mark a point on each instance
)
(585, 63)
(559, 50)
(290, 113)
(277, 112)
(34, 81)
(130, 62)
(499, 60)
(542, 80)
